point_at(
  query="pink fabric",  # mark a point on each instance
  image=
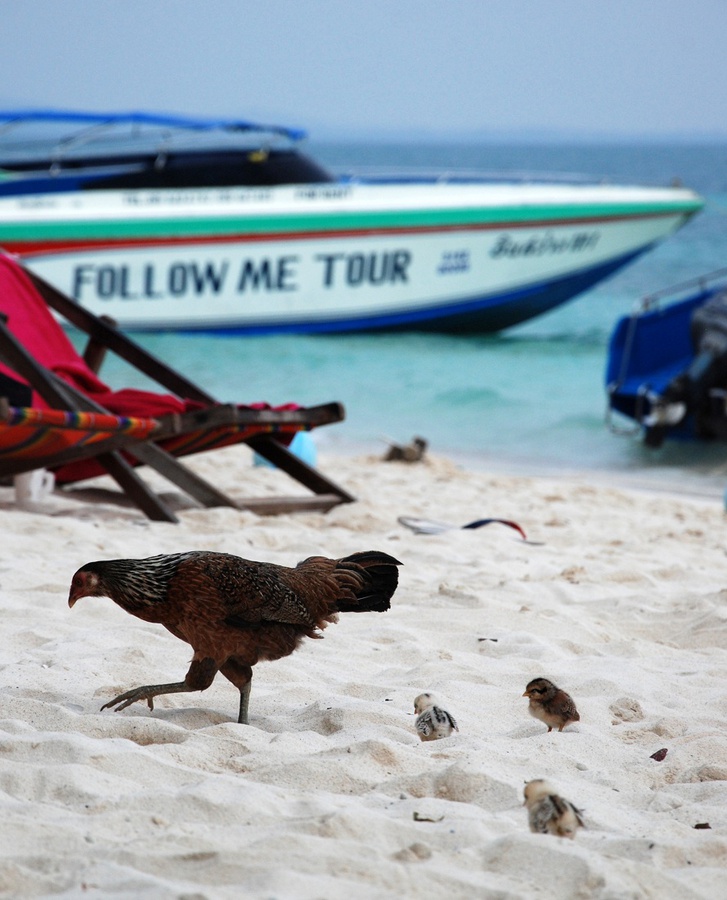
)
(36, 328)
(33, 324)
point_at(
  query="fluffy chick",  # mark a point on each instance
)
(550, 704)
(432, 722)
(548, 813)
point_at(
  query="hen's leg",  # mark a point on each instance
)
(244, 704)
(241, 676)
(200, 676)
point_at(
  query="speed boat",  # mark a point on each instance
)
(241, 232)
(666, 373)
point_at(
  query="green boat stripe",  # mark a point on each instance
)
(322, 223)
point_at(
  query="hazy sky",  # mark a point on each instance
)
(347, 67)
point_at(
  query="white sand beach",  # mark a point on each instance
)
(620, 599)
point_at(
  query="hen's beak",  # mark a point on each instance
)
(72, 599)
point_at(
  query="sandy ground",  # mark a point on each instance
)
(619, 598)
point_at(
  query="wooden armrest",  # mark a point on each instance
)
(96, 350)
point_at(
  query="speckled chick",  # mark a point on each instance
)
(549, 813)
(550, 704)
(432, 722)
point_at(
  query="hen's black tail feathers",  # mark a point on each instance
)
(380, 578)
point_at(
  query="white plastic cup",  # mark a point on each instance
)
(33, 487)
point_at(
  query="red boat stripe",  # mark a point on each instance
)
(27, 248)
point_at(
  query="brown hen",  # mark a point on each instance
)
(233, 611)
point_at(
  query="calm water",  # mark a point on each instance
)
(532, 397)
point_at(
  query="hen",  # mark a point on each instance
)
(235, 612)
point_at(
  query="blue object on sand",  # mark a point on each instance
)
(302, 446)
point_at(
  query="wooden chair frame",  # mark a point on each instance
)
(257, 427)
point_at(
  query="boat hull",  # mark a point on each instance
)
(334, 258)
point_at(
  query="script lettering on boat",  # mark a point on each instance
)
(507, 246)
(356, 269)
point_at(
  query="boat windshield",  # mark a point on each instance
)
(53, 151)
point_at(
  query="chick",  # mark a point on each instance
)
(551, 705)
(432, 722)
(549, 813)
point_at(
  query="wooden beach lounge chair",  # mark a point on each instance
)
(36, 353)
(32, 438)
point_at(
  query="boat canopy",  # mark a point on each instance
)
(51, 151)
(192, 123)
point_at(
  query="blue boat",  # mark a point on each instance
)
(667, 365)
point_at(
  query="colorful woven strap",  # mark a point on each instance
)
(79, 421)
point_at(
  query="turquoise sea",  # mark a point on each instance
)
(530, 399)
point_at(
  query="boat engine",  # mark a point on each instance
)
(693, 390)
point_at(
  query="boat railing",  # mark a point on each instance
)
(416, 175)
(697, 284)
(617, 383)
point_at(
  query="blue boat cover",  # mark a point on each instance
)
(646, 352)
(192, 123)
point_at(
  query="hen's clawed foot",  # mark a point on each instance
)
(126, 699)
(145, 692)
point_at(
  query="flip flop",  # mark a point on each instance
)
(427, 526)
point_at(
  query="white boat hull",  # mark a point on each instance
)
(313, 260)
